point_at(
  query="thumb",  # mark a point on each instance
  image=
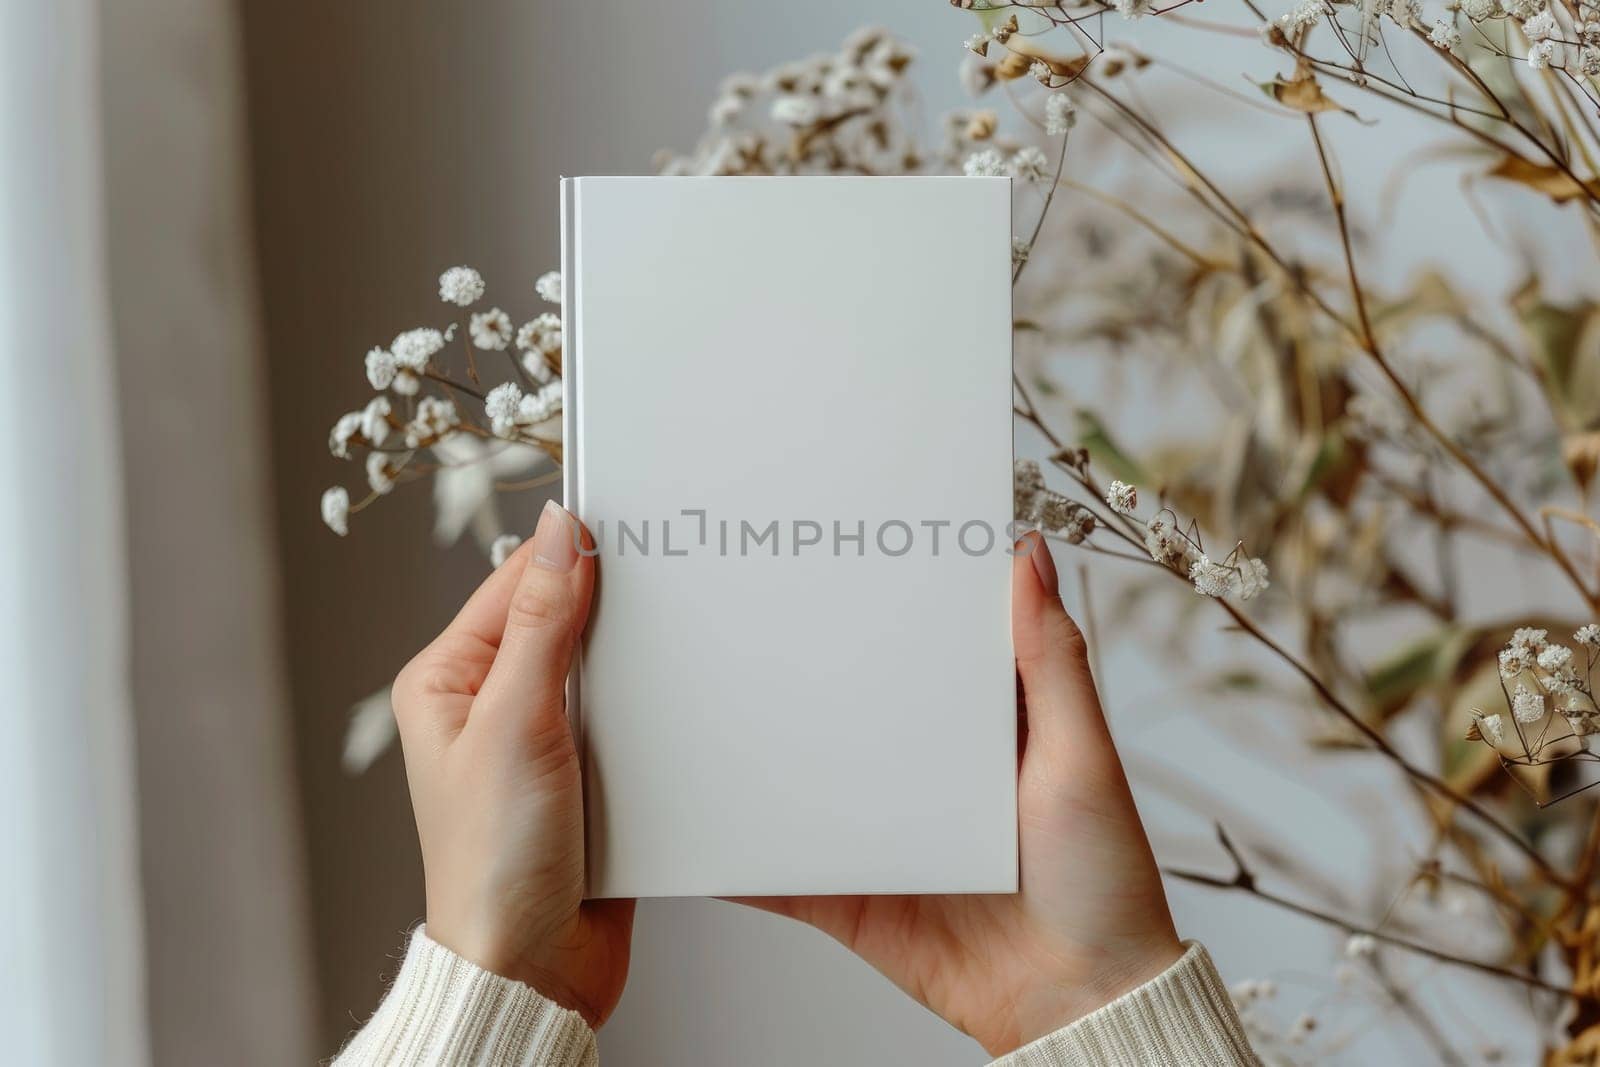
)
(524, 693)
(1063, 707)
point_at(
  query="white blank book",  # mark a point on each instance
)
(788, 421)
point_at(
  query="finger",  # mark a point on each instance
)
(524, 694)
(435, 689)
(1063, 709)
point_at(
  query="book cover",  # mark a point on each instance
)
(788, 424)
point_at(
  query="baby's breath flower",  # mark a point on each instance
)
(1360, 946)
(1555, 658)
(1589, 61)
(794, 110)
(1540, 27)
(414, 348)
(977, 43)
(1210, 579)
(537, 407)
(1526, 704)
(535, 367)
(501, 407)
(725, 110)
(1529, 639)
(1581, 723)
(1040, 70)
(406, 382)
(549, 286)
(491, 330)
(381, 368)
(1028, 164)
(1060, 114)
(375, 420)
(1540, 54)
(502, 548)
(435, 418)
(461, 285)
(1513, 661)
(336, 509)
(1027, 482)
(1122, 497)
(1492, 728)
(542, 333)
(1165, 544)
(1304, 14)
(1588, 635)
(986, 163)
(1478, 10)
(1251, 578)
(1444, 35)
(1134, 9)
(382, 469)
(343, 432)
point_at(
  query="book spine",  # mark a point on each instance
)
(571, 413)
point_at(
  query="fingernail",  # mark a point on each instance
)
(555, 546)
(1044, 565)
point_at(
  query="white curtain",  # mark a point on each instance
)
(69, 892)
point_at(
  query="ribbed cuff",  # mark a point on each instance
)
(447, 1012)
(1180, 1018)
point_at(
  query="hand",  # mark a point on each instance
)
(495, 780)
(1091, 920)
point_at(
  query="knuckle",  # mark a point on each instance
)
(536, 606)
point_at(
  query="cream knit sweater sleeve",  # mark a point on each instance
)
(445, 1012)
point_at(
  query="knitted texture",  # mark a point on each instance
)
(1183, 1017)
(445, 1012)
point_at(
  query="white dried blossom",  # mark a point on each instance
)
(1060, 114)
(1444, 35)
(501, 407)
(375, 420)
(1165, 544)
(795, 110)
(406, 382)
(1360, 946)
(1059, 514)
(549, 286)
(414, 348)
(1134, 9)
(1041, 71)
(978, 43)
(336, 509)
(491, 330)
(1478, 10)
(383, 468)
(536, 367)
(1588, 635)
(537, 407)
(1541, 26)
(1555, 658)
(1028, 164)
(1492, 728)
(381, 368)
(1251, 577)
(502, 548)
(1122, 497)
(461, 286)
(1529, 639)
(1513, 661)
(1589, 61)
(985, 163)
(1581, 723)
(1209, 579)
(1304, 14)
(1027, 482)
(435, 418)
(541, 334)
(1540, 55)
(343, 432)
(1527, 705)
(725, 110)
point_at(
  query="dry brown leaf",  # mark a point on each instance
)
(1303, 94)
(1553, 182)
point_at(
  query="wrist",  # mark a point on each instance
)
(1061, 1001)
